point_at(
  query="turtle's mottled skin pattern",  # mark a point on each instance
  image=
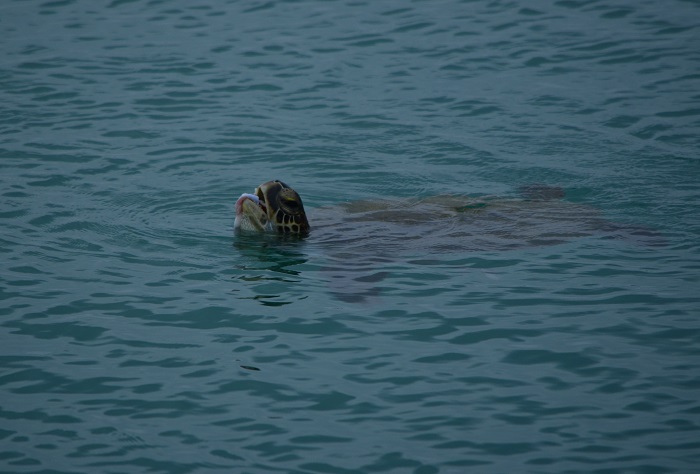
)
(285, 208)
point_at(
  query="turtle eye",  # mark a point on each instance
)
(291, 202)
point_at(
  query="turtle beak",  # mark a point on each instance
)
(251, 214)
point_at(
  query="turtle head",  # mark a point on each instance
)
(273, 207)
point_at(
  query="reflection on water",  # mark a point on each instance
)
(268, 266)
(276, 252)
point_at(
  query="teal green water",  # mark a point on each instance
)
(139, 335)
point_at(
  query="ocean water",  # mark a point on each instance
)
(139, 334)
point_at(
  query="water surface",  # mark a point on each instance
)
(139, 335)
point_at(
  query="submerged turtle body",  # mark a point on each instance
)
(448, 224)
(433, 225)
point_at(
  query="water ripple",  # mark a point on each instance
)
(140, 335)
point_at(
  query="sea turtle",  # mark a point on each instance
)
(448, 223)
(362, 242)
